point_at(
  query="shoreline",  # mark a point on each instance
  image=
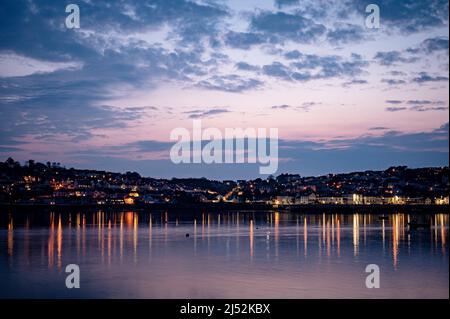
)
(315, 208)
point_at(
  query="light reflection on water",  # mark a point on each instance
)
(226, 255)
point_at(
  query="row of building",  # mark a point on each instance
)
(52, 184)
(358, 199)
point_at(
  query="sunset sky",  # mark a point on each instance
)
(107, 95)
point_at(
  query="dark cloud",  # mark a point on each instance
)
(149, 146)
(52, 120)
(396, 108)
(304, 107)
(428, 47)
(393, 140)
(139, 149)
(243, 66)
(197, 114)
(423, 108)
(394, 101)
(8, 149)
(293, 55)
(406, 16)
(286, 3)
(425, 102)
(66, 102)
(435, 44)
(50, 39)
(393, 57)
(345, 33)
(281, 107)
(306, 67)
(244, 40)
(48, 103)
(354, 82)
(230, 83)
(331, 65)
(425, 77)
(279, 70)
(397, 73)
(423, 149)
(393, 81)
(417, 105)
(286, 26)
(378, 128)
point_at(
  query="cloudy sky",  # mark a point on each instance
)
(107, 95)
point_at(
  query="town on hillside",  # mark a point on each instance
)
(52, 184)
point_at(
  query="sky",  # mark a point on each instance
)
(107, 95)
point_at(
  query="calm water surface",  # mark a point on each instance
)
(227, 255)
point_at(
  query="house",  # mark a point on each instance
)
(396, 200)
(129, 200)
(373, 200)
(442, 201)
(306, 199)
(335, 200)
(353, 199)
(284, 200)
